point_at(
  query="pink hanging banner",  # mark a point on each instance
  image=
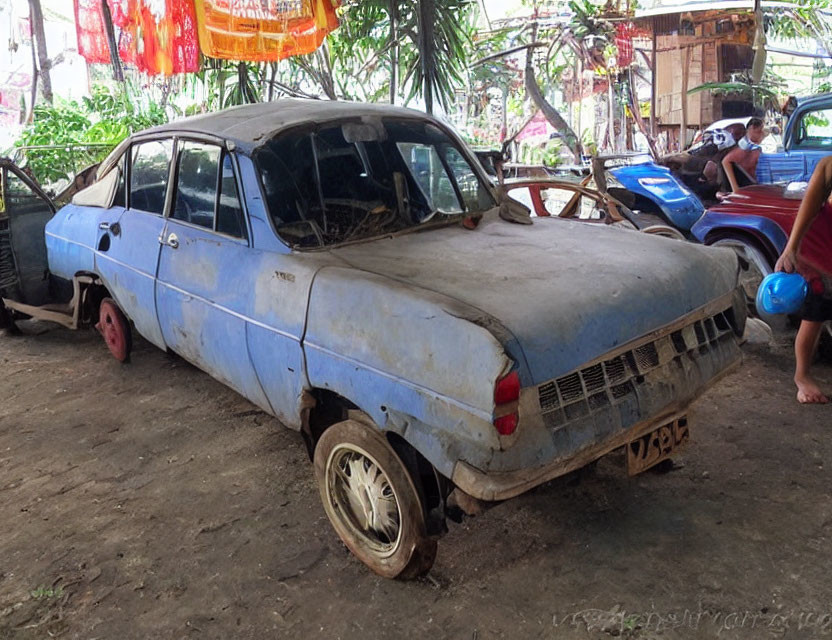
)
(156, 37)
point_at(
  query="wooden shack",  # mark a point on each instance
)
(690, 48)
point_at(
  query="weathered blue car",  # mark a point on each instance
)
(807, 138)
(350, 270)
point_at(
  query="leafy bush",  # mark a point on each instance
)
(78, 135)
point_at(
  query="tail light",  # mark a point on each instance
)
(506, 402)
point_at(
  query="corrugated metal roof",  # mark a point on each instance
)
(664, 7)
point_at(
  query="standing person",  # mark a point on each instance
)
(809, 251)
(745, 155)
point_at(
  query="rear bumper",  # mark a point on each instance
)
(561, 434)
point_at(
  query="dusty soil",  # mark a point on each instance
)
(148, 501)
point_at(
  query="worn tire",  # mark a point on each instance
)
(359, 451)
(759, 267)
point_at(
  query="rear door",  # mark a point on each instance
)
(206, 269)
(127, 250)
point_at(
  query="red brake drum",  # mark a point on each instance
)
(114, 327)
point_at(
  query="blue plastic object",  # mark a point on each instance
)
(781, 293)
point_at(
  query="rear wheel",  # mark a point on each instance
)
(371, 500)
(115, 329)
(759, 266)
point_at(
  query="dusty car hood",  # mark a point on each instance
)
(568, 291)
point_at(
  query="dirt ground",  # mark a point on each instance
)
(148, 501)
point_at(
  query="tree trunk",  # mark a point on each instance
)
(36, 16)
(549, 112)
(683, 129)
(394, 50)
(30, 111)
(118, 72)
(653, 61)
(611, 112)
(758, 67)
(427, 14)
(634, 106)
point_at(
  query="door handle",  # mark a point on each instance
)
(172, 241)
(113, 228)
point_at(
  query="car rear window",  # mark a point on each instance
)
(355, 180)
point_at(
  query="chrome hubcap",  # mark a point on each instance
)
(361, 494)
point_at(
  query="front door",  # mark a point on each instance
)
(127, 250)
(24, 212)
(203, 282)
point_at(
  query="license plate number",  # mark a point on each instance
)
(658, 445)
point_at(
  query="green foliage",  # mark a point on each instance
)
(42, 593)
(816, 119)
(356, 61)
(227, 83)
(812, 20)
(767, 93)
(78, 135)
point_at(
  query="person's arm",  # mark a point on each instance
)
(752, 165)
(818, 191)
(728, 167)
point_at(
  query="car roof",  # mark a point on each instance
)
(249, 126)
(809, 100)
(721, 124)
(252, 125)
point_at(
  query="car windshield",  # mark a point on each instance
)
(356, 180)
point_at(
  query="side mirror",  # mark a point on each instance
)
(795, 190)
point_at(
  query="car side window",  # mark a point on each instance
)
(149, 175)
(196, 183)
(429, 172)
(19, 197)
(229, 210)
(814, 130)
(119, 199)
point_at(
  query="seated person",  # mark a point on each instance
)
(698, 168)
(743, 159)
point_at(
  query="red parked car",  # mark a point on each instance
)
(756, 222)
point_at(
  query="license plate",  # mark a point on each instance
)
(656, 446)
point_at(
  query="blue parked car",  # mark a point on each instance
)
(807, 137)
(351, 270)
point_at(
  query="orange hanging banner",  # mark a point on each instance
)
(263, 30)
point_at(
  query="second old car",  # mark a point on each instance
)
(350, 270)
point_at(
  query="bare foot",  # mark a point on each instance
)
(808, 391)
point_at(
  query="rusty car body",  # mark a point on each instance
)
(350, 270)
